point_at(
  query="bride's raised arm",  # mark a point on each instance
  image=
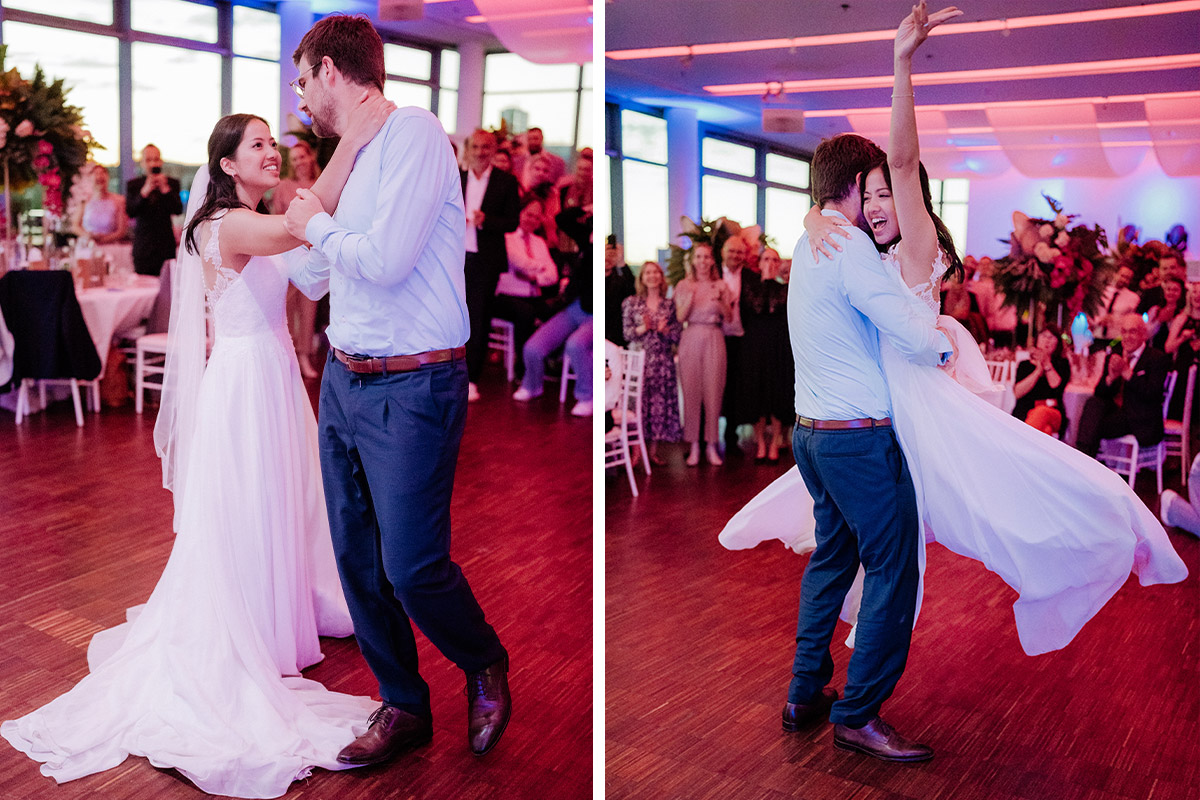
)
(245, 232)
(919, 245)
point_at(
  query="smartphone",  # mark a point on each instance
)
(155, 170)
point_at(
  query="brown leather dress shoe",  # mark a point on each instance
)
(391, 732)
(880, 740)
(488, 706)
(797, 716)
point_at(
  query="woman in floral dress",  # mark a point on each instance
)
(650, 325)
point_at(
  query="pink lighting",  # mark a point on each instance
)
(996, 25)
(1152, 64)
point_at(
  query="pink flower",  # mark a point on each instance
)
(40, 163)
(1057, 278)
(1062, 239)
(1046, 231)
(45, 148)
(1043, 253)
(25, 128)
(1063, 263)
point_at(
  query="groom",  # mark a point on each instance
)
(847, 453)
(394, 394)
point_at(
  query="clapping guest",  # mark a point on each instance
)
(619, 283)
(1117, 301)
(1129, 397)
(1161, 315)
(542, 187)
(301, 312)
(503, 159)
(575, 192)
(702, 302)
(1040, 383)
(732, 269)
(1183, 346)
(768, 376)
(102, 216)
(650, 324)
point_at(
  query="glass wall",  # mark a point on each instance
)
(950, 202)
(637, 173)
(546, 96)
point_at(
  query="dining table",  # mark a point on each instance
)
(111, 309)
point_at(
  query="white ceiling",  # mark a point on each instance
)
(1050, 93)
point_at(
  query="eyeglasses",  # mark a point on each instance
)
(296, 86)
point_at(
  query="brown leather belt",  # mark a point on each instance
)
(382, 366)
(842, 424)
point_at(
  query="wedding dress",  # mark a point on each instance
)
(204, 677)
(1060, 528)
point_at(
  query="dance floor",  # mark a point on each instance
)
(699, 643)
(86, 530)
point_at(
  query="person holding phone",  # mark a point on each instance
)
(150, 201)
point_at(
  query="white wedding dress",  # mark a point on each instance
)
(1059, 527)
(204, 677)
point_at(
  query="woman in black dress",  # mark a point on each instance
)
(1040, 383)
(767, 352)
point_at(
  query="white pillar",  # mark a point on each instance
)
(295, 18)
(683, 169)
(470, 88)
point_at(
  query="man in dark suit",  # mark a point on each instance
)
(151, 200)
(1129, 398)
(493, 204)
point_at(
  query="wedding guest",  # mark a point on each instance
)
(542, 187)
(1117, 301)
(150, 201)
(492, 201)
(575, 192)
(1129, 397)
(1183, 345)
(618, 284)
(1174, 510)
(1040, 383)
(531, 271)
(1170, 267)
(732, 269)
(303, 172)
(1001, 319)
(767, 385)
(534, 141)
(102, 216)
(503, 159)
(650, 324)
(958, 302)
(1160, 316)
(703, 303)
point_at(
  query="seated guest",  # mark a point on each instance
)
(102, 216)
(1040, 383)
(1001, 319)
(1170, 267)
(531, 272)
(957, 302)
(1179, 512)
(1129, 397)
(523, 165)
(1172, 305)
(650, 324)
(503, 159)
(1117, 301)
(575, 191)
(1183, 344)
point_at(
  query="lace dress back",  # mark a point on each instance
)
(246, 302)
(929, 292)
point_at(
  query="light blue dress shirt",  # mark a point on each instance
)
(836, 310)
(391, 256)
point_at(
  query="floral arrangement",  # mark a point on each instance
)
(1052, 263)
(42, 140)
(714, 233)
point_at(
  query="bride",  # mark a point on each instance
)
(1059, 528)
(205, 677)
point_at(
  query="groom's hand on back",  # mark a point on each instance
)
(304, 206)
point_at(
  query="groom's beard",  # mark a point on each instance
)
(321, 119)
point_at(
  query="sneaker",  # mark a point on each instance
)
(1164, 506)
(472, 393)
(582, 409)
(523, 395)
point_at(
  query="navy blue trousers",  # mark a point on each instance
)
(866, 512)
(389, 446)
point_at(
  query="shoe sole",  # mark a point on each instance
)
(867, 752)
(393, 753)
(495, 740)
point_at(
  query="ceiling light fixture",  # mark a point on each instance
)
(949, 29)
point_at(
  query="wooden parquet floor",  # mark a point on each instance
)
(85, 530)
(699, 643)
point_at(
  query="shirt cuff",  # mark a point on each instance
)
(945, 349)
(320, 226)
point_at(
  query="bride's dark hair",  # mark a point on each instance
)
(945, 240)
(222, 192)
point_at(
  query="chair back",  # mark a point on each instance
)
(1188, 397)
(51, 338)
(1002, 372)
(1168, 390)
(635, 362)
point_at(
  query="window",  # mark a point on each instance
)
(256, 91)
(408, 94)
(785, 218)
(642, 170)
(448, 93)
(548, 98)
(89, 65)
(98, 11)
(407, 62)
(736, 200)
(175, 18)
(950, 202)
(159, 107)
(256, 33)
(728, 157)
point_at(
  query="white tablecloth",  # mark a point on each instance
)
(108, 310)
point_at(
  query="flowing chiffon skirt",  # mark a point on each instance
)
(1060, 528)
(205, 677)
